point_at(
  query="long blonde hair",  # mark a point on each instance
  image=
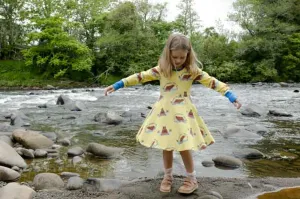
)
(178, 42)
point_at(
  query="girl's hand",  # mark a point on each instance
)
(237, 104)
(109, 90)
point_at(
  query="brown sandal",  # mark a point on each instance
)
(189, 186)
(166, 184)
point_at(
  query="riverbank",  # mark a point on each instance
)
(228, 188)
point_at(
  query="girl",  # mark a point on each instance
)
(173, 123)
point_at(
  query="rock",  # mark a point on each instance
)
(47, 181)
(50, 87)
(279, 114)
(63, 99)
(76, 160)
(101, 184)
(238, 132)
(208, 197)
(248, 153)
(51, 135)
(76, 151)
(6, 139)
(110, 118)
(103, 151)
(39, 153)
(283, 84)
(8, 156)
(67, 175)
(253, 110)
(75, 183)
(208, 163)
(16, 191)
(64, 142)
(8, 175)
(227, 161)
(31, 139)
(42, 106)
(27, 153)
(296, 91)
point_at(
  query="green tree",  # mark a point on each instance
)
(53, 52)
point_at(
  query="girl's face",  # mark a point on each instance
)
(178, 57)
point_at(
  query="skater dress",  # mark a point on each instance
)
(173, 122)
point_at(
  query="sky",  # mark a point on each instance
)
(209, 11)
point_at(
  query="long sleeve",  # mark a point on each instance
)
(142, 77)
(211, 82)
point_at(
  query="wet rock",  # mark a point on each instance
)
(67, 175)
(63, 99)
(51, 135)
(101, 184)
(208, 163)
(76, 160)
(69, 103)
(113, 118)
(75, 183)
(248, 153)
(27, 153)
(279, 114)
(240, 133)
(42, 106)
(39, 153)
(283, 84)
(227, 161)
(259, 129)
(50, 87)
(296, 91)
(76, 151)
(64, 142)
(253, 110)
(8, 156)
(31, 139)
(8, 175)
(16, 191)
(47, 181)
(103, 151)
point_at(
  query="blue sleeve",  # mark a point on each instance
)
(230, 95)
(118, 85)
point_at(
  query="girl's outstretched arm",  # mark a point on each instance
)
(142, 77)
(211, 82)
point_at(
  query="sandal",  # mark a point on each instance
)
(189, 186)
(166, 184)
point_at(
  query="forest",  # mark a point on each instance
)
(101, 41)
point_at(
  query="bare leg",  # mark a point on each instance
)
(187, 159)
(168, 178)
(168, 159)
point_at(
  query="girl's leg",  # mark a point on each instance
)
(190, 183)
(168, 178)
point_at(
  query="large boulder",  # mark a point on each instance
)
(31, 139)
(9, 157)
(47, 181)
(16, 191)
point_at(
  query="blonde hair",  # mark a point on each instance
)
(178, 42)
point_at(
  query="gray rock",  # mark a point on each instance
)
(227, 161)
(40, 153)
(8, 156)
(7, 139)
(76, 151)
(248, 153)
(67, 175)
(253, 110)
(76, 160)
(208, 163)
(113, 118)
(64, 142)
(101, 184)
(279, 114)
(75, 183)
(27, 153)
(31, 139)
(16, 191)
(47, 181)
(103, 151)
(8, 175)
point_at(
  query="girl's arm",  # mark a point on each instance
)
(211, 82)
(142, 77)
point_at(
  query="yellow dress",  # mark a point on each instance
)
(173, 123)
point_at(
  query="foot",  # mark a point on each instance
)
(189, 186)
(166, 184)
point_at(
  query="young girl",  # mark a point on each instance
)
(173, 123)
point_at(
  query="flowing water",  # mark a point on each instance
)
(280, 143)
